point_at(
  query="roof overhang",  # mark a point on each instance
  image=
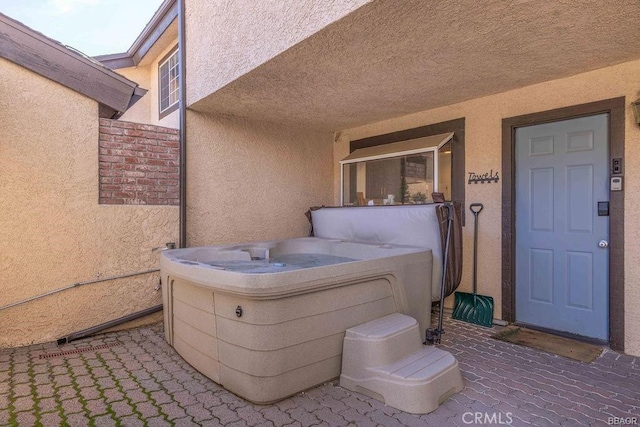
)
(49, 58)
(388, 59)
(166, 14)
(395, 149)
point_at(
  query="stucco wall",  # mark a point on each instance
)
(53, 232)
(235, 37)
(483, 152)
(251, 181)
(146, 110)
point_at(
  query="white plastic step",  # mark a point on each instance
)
(387, 339)
(382, 328)
(385, 359)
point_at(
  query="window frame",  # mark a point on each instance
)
(399, 149)
(458, 171)
(173, 107)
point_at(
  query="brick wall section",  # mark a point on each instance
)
(138, 164)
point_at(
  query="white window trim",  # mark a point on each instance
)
(171, 107)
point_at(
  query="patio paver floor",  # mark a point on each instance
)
(139, 380)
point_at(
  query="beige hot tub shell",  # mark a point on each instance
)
(268, 336)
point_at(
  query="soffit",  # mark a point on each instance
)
(391, 58)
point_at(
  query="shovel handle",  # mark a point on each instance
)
(476, 208)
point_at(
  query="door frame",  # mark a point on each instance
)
(615, 107)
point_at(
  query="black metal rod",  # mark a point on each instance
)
(110, 324)
(444, 270)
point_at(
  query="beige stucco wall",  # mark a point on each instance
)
(53, 232)
(235, 37)
(146, 75)
(250, 180)
(483, 152)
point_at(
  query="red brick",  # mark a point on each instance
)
(117, 123)
(145, 168)
(139, 163)
(157, 162)
(134, 174)
(150, 135)
(116, 152)
(167, 169)
(138, 146)
(146, 181)
(109, 144)
(172, 144)
(133, 132)
(112, 159)
(167, 130)
(134, 187)
(122, 166)
(111, 187)
(112, 131)
(124, 180)
(158, 188)
(158, 149)
(123, 195)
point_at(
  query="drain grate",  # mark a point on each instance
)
(79, 350)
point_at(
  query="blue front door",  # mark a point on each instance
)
(562, 266)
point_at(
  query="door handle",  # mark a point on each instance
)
(603, 244)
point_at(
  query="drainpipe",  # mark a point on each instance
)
(183, 124)
(110, 324)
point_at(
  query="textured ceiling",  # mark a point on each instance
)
(391, 58)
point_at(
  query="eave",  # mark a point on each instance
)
(51, 59)
(161, 20)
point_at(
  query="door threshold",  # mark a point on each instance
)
(563, 334)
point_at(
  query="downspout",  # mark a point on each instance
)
(110, 324)
(183, 124)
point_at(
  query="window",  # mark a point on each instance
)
(168, 73)
(400, 173)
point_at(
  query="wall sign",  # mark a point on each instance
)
(483, 177)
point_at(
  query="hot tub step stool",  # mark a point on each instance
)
(385, 359)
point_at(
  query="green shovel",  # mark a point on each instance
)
(474, 308)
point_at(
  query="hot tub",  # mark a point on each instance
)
(266, 320)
